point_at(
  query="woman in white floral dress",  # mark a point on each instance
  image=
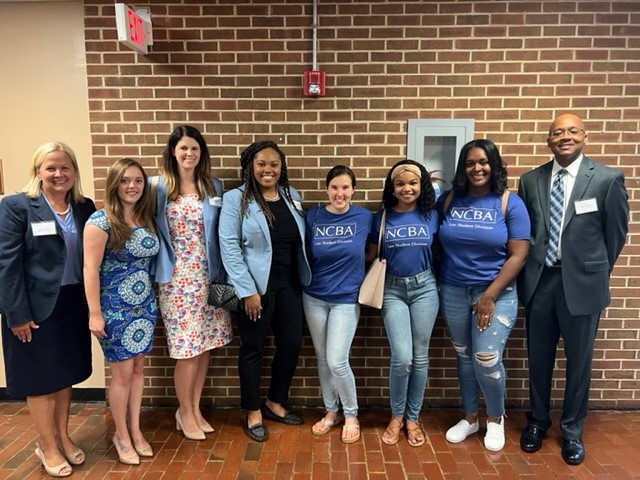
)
(187, 211)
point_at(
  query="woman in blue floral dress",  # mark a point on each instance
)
(119, 244)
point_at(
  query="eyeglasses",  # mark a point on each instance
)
(573, 132)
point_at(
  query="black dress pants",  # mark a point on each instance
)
(282, 312)
(547, 318)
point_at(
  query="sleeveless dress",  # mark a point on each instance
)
(192, 325)
(127, 298)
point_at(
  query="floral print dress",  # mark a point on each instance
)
(127, 299)
(192, 325)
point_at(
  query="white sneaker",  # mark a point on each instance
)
(494, 439)
(461, 430)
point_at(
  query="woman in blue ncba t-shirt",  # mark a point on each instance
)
(485, 239)
(410, 302)
(336, 238)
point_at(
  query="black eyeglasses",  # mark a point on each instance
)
(573, 132)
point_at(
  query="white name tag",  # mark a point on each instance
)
(298, 205)
(41, 229)
(586, 206)
(215, 201)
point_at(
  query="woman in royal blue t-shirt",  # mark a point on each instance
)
(336, 238)
(484, 237)
(410, 302)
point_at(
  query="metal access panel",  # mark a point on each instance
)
(436, 144)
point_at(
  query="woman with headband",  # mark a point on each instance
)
(410, 302)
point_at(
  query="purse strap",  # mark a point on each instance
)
(380, 237)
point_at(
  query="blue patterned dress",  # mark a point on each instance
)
(127, 298)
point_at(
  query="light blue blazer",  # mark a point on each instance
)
(245, 243)
(166, 259)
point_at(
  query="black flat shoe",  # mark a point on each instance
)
(573, 451)
(531, 439)
(289, 418)
(257, 432)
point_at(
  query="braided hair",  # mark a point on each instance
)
(252, 190)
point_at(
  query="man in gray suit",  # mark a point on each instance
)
(579, 215)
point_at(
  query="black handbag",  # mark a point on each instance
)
(223, 295)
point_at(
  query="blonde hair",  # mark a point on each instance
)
(33, 188)
(142, 211)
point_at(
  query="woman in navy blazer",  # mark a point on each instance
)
(262, 233)
(45, 330)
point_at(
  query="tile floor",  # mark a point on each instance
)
(611, 439)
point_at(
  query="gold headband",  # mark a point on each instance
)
(406, 167)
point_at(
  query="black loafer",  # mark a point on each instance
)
(257, 432)
(531, 439)
(289, 418)
(573, 451)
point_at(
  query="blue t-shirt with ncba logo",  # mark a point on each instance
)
(474, 236)
(407, 240)
(336, 243)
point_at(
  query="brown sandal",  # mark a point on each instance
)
(392, 434)
(415, 433)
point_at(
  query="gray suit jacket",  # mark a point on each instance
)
(31, 267)
(591, 241)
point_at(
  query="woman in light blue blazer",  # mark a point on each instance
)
(262, 233)
(188, 202)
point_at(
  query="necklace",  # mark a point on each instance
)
(276, 197)
(65, 212)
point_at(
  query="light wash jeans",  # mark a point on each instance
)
(409, 312)
(474, 374)
(332, 327)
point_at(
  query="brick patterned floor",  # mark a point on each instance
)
(612, 442)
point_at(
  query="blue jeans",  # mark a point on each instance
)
(479, 353)
(409, 312)
(332, 327)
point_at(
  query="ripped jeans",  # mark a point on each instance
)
(479, 354)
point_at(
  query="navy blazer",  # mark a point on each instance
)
(591, 240)
(245, 243)
(31, 267)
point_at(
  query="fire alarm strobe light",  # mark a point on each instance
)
(314, 83)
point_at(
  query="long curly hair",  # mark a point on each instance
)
(142, 211)
(427, 198)
(498, 180)
(202, 173)
(252, 190)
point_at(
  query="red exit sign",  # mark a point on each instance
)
(134, 28)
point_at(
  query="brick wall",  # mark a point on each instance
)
(234, 70)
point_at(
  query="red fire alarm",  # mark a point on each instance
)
(314, 83)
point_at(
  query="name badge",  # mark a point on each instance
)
(586, 206)
(298, 205)
(40, 229)
(215, 201)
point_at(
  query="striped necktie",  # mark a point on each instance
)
(556, 205)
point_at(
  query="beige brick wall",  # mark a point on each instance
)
(234, 70)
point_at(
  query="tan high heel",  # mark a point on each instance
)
(145, 451)
(206, 427)
(132, 459)
(195, 435)
(55, 471)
